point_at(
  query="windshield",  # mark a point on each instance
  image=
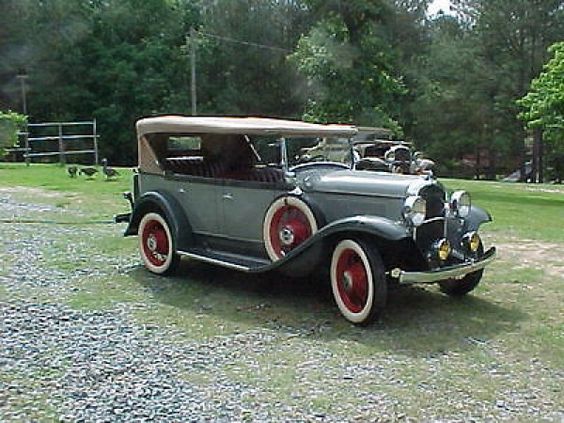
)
(302, 150)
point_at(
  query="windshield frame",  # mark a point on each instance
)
(283, 143)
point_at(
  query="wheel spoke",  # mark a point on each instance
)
(288, 223)
(352, 280)
(155, 243)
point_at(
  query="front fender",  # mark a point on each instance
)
(378, 227)
(374, 225)
(172, 211)
(476, 217)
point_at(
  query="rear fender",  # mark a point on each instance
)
(170, 208)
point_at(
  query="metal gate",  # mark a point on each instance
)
(72, 138)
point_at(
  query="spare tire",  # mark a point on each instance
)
(288, 222)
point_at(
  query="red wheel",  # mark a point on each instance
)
(288, 222)
(155, 244)
(358, 281)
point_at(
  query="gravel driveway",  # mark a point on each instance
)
(60, 363)
(57, 362)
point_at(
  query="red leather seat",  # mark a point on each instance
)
(195, 166)
(198, 166)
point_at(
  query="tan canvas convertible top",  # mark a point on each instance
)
(235, 125)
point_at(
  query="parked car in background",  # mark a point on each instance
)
(259, 195)
(386, 155)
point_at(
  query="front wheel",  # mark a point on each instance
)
(460, 287)
(156, 244)
(358, 281)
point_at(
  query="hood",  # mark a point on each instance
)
(360, 182)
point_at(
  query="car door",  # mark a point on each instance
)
(192, 179)
(244, 205)
(200, 199)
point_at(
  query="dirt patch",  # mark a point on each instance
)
(548, 190)
(27, 191)
(527, 253)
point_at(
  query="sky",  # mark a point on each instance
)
(437, 5)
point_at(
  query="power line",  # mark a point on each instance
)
(246, 43)
(191, 38)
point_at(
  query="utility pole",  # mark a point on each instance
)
(23, 87)
(537, 162)
(193, 70)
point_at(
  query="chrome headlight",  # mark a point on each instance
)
(460, 203)
(414, 210)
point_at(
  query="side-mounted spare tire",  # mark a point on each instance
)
(288, 222)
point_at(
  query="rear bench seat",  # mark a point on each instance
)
(259, 174)
(194, 165)
(197, 166)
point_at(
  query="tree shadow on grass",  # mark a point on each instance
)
(417, 321)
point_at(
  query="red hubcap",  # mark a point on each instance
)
(352, 281)
(155, 243)
(288, 229)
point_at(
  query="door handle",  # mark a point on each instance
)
(228, 196)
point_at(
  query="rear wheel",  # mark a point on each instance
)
(156, 244)
(358, 281)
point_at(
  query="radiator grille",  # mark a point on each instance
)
(435, 199)
(429, 232)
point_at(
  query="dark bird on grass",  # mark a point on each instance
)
(88, 171)
(110, 172)
(72, 171)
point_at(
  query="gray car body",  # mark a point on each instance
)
(221, 220)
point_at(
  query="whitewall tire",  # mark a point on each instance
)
(288, 222)
(358, 281)
(156, 244)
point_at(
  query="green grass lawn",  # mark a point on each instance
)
(97, 197)
(534, 211)
(436, 356)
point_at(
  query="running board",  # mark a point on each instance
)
(228, 260)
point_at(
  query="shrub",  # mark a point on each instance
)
(10, 124)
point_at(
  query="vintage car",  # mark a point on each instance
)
(375, 150)
(392, 156)
(242, 193)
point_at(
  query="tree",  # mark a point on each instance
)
(543, 107)
(115, 60)
(348, 62)
(242, 49)
(511, 37)
(10, 124)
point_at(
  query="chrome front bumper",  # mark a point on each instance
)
(457, 271)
